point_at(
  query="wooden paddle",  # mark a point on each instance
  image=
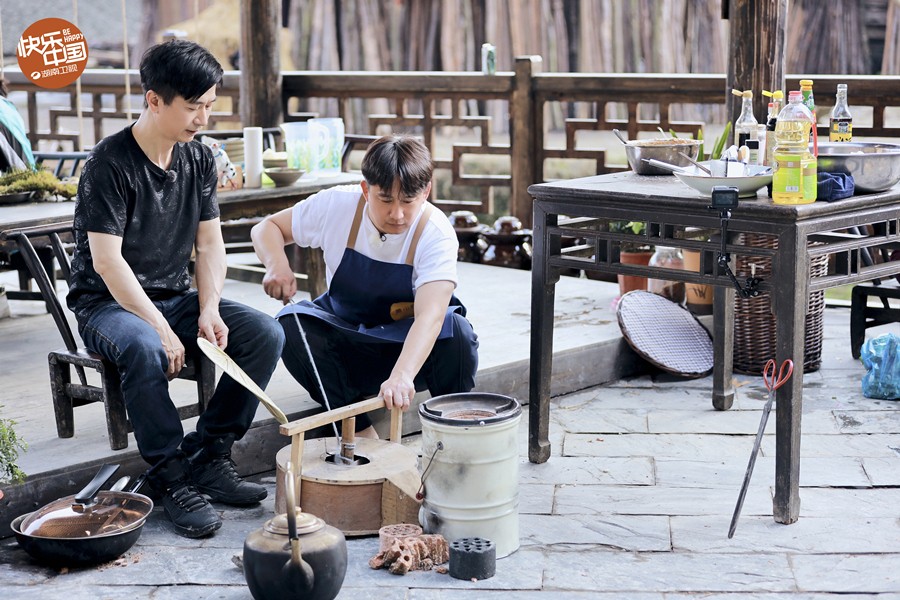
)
(231, 368)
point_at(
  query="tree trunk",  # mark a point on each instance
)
(260, 104)
(756, 55)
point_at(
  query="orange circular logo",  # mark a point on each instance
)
(52, 53)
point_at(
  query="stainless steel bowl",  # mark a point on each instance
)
(875, 166)
(662, 149)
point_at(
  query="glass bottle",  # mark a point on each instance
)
(794, 177)
(840, 126)
(667, 258)
(809, 101)
(774, 108)
(745, 126)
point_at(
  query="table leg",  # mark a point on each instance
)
(790, 305)
(723, 347)
(312, 262)
(543, 289)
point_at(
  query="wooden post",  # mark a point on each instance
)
(260, 63)
(756, 52)
(521, 112)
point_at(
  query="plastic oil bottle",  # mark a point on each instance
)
(840, 126)
(794, 178)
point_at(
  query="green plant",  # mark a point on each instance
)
(10, 445)
(636, 228)
(718, 145)
(40, 181)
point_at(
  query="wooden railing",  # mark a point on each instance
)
(494, 135)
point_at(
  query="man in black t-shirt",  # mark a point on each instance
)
(146, 200)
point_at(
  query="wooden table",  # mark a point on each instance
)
(581, 208)
(237, 204)
(234, 206)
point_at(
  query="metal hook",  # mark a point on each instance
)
(420, 495)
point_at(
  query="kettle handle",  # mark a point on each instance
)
(296, 570)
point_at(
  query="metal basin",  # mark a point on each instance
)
(663, 149)
(875, 166)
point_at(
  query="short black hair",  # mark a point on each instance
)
(179, 68)
(402, 157)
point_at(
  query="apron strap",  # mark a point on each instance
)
(423, 221)
(357, 220)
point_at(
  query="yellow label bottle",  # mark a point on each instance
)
(794, 178)
(841, 124)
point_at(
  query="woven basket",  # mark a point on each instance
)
(754, 323)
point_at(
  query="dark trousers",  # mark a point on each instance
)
(352, 369)
(254, 342)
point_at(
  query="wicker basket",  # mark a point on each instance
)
(754, 323)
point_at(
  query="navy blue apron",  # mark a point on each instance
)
(364, 292)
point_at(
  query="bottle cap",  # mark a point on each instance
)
(806, 83)
(746, 94)
(776, 95)
(795, 95)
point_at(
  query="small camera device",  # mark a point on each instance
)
(724, 197)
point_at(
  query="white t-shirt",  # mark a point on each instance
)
(324, 220)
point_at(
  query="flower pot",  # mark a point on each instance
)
(628, 283)
(699, 295)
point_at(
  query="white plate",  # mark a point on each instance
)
(746, 186)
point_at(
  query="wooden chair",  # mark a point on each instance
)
(863, 316)
(352, 142)
(62, 164)
(67, 164)
(68, 395)
(271, 135)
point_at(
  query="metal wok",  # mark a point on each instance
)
(86, 529)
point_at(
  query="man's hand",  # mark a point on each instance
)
(270, 236)
(398, 390)
(280, 283)
(212, 328)
(174, 350)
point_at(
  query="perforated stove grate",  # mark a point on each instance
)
(665, 334)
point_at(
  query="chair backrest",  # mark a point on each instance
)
(67, 163)
(271, 135)
(23, 238)
(352, 142)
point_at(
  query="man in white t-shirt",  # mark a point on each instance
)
(389, 323)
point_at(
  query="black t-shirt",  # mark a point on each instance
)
(155, 212)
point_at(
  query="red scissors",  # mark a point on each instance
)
(772, 383)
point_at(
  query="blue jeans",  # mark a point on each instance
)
(255, 341)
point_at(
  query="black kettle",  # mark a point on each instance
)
(273, 565)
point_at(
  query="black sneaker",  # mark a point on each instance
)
(190, 513)
(217, 478)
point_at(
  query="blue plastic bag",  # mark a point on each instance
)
(880, 357)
